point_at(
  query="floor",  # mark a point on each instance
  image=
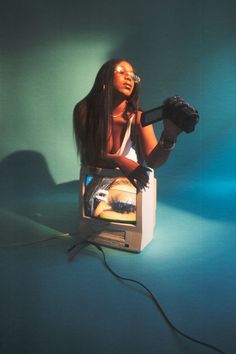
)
(52, 305)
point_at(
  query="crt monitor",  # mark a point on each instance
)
(112, 212)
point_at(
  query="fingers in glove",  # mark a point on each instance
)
(140, 177)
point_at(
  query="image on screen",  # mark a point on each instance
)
(110, 198)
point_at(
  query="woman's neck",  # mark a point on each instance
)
(119, 108)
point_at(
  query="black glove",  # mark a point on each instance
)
(180, 113)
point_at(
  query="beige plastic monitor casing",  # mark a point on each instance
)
(124, 236)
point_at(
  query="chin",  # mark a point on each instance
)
(124, 93)
(127, 93)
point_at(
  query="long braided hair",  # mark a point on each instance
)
(92, 115)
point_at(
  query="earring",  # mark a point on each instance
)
(104, 87)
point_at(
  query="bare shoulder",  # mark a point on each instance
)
(147, 133)
(138, 118)
(139, 113)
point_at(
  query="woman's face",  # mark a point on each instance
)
(125, 78)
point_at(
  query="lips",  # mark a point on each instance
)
(128, 86)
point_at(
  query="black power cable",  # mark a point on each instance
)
(35, 242)
(154, 299)
(85, 243)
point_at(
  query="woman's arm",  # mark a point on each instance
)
(136, 173)
(157, 152)
(154, 152)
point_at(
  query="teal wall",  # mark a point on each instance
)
(51, 51)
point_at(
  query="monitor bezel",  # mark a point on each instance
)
(127, 236)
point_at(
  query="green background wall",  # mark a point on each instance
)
(52, 50)
(50, 54)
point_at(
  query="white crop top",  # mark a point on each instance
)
(126, 148)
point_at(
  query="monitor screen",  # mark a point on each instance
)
(110, 198)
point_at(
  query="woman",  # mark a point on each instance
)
(107, 126)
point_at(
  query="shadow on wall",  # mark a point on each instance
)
(28, 189)
(171, 60)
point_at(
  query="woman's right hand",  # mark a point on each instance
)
(136, 173)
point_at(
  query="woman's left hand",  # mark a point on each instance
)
(171, 130)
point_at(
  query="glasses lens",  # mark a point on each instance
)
(134, 76)
(120, 70)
